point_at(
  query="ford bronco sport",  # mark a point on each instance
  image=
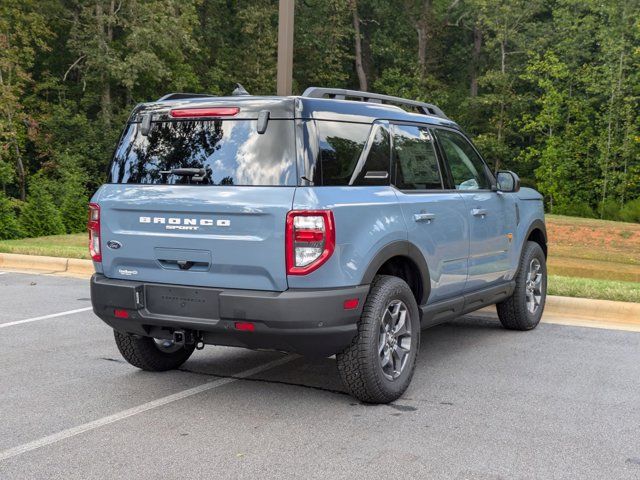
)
(336, 222)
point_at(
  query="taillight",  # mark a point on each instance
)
(93, 225)
(310, 240)
(204, 112)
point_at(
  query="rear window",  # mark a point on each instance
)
(231, 152)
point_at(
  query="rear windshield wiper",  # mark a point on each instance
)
(194, 174)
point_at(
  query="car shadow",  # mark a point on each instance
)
(437, 343)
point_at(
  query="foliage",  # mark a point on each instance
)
(548, 88)
(9, 226)
(574, 209)
(630, 212)
(40, 216)
(73, 202)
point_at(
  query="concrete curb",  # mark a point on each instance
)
(565, 310)
(598, 310)
(54, 265)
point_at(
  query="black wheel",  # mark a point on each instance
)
(152, 354)
(523, 310)
(378, 365)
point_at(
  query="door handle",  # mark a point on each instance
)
(424, 217)
(479, 212)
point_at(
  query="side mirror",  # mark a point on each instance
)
(507, 181)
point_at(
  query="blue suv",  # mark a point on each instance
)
(333, 223)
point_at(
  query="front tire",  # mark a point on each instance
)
(378, 365)
(523, 310)
(152, 354)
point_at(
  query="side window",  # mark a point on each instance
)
(467, 168)
(340, 145)
(415, 160)
(375, 170)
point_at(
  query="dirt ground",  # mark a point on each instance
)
(589, 248)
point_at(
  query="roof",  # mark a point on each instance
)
(290, 107)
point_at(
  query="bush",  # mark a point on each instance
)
(40, 216)
(74, 203)
(630, 212)
(9, 226)
(576, 209)
(610, 209)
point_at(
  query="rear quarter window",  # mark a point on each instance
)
(231, 152)
(340, 146)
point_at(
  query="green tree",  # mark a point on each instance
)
(40, 216)
(9, 226)
(23, 31)
(74, 200)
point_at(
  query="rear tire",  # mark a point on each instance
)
(148, 354)
(523, 310)
(378, 365)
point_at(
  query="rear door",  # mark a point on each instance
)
(491, 216)
(436, 219)
(223, 227)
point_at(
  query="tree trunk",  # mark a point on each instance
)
(105, 33)
(615, 88)
(501, 121)
(422, 28)
(475, 59)
(22, 174)
(362, 76)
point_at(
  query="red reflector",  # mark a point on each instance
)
(204, 112)
(309, 235)
(121, 313)
(245, 326)
(351, 304)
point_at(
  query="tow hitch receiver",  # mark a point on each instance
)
(181, 337)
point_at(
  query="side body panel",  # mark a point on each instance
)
(438, 226)
(492, 225)
(366, 219)
(531, 216)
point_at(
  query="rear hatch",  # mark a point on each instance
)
(198, 194)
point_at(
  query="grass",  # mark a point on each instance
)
(587, 257)
(68, 246)
(594, 288)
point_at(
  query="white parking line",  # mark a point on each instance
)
(101, 422)
(44, 317)
(3, 273)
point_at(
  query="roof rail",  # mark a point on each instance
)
(342, 94)
(182, 96)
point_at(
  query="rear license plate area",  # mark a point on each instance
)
(182, 301)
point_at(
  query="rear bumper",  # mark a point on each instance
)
(310, 322)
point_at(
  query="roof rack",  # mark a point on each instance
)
(182, 96)
(342, 94)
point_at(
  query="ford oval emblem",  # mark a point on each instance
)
(114, 244)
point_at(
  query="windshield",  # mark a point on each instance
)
(228, 152)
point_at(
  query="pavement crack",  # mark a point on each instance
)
(402, 408)
(265, 380)
(108, 359)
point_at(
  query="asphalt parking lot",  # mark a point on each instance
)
(485, 403)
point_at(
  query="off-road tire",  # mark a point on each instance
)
(142, 352)
(359, 364)
(513, 312)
